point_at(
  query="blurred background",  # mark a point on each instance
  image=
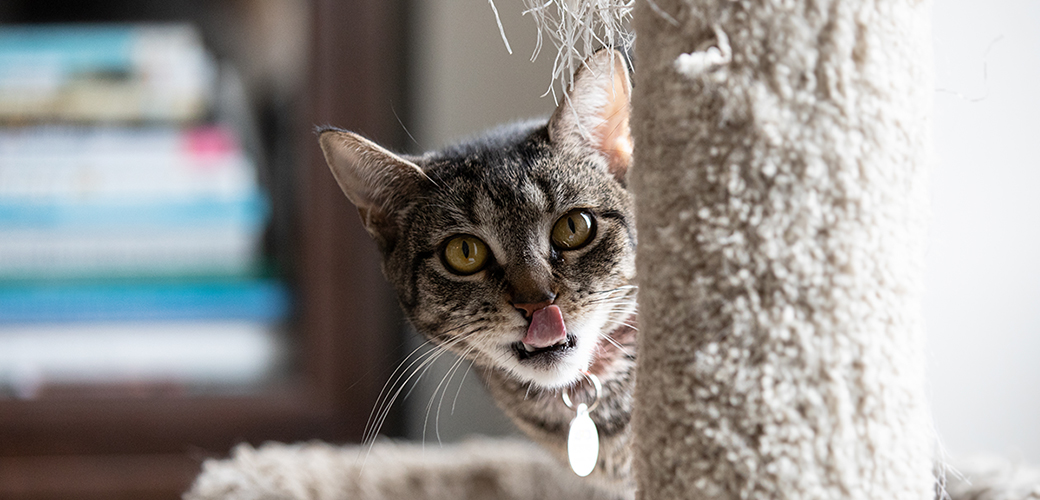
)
(179, 272)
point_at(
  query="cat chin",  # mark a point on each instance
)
(562, 373)
(548, 379)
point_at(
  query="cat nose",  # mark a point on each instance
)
(529, 286)
(529, 308)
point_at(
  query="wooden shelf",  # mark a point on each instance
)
(346, 329)
(100, 476)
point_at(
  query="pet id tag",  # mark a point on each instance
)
(583, 443)
(583, 437)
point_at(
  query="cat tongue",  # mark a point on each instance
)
(546, 328)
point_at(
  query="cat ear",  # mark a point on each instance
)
(373, 178)
(594, 114)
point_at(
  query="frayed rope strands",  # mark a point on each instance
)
(577, 28)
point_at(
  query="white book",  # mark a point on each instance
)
(228, 354)
(112, 164)
(148, 251)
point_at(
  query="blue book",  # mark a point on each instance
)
(58, 178)
(89, 72)
(70, 48)
(249, 211)
(259, 300)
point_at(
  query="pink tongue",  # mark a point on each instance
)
(546, 328)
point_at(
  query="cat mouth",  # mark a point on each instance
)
(557, 351)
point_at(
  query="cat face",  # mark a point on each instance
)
(515, 250)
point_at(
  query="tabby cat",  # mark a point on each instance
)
(517, 251)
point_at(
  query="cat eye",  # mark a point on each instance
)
(465, 254)
(573, 230)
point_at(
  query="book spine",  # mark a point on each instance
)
(248, 212)
(114, 358)
(254, 300)
(67, 49)
(83, 164)
(217, 250)
(104, 72)
(50, 141)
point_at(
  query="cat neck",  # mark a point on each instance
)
(545, 418)
(540, 410)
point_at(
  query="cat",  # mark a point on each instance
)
(516, 250)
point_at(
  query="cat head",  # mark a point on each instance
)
(516, 249)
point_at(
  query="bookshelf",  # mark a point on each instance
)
(345, 325)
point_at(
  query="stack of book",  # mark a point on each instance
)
(131, 219)
(104, 72)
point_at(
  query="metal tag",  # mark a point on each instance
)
(583, 443)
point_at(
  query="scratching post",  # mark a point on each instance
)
(779, 178)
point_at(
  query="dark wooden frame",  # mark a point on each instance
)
(152, 448)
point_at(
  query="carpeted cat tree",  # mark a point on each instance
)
(780, 191)
(780, 164)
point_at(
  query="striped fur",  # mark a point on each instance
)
(509, 188)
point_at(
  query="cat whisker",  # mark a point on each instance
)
(433, 397)
(610, 300)
(450, 375)
(624, 310)
(396, 387)
(618, 304)
(410, 136)
(431, 357)
(623, 323)
(459, 391)
(587, 376)
(445, 382)
(614, 343)
(621, 306)
(387, 387)
(443, 350)
(626, 290)
(424, 360)
(615, 294)
(393, 382)
(601, 300)
(621, 311)
(623, 287)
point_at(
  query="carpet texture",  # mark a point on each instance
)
(779, 176)
(482, 469)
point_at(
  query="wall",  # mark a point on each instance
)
(983, 299)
